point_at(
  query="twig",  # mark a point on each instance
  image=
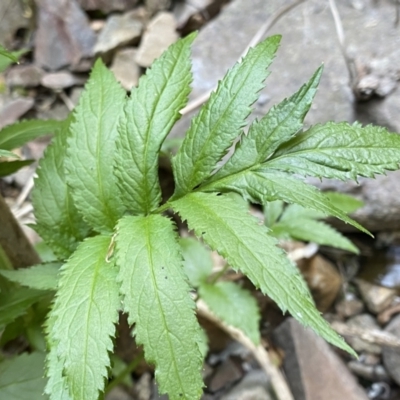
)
(371, 336)
(197, 102)
(341, 38)
(278, 382)
(24, 192)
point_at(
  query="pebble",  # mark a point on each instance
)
(391, 356)
(24, 75)
(159, 35)
(59, 80)
(376, 298)
(125, 69)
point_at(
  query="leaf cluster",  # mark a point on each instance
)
(98, 205)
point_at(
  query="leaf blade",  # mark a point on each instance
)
(218, 219)
(339, 151)
(57, 219)
(85, 312)
(149, 115)
(156, 296)
(234, 305)
(221, 119)
(91, 149)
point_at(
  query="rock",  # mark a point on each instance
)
(349, 307)
(377, 298)
(255, 385)
(372, 373)
(154, 6)
(24, 75)
(106, 5)
(390, 355)
(313, 370)
(159, 34)
(226, 374)
(120, 30)
(365, 322)
(12, 18)
(64, 36)
(12, 108)
(118, 393)
(322, 278)
(308, 40)
(60, 80)
(142, 388)
(184, 10)
(125, 69)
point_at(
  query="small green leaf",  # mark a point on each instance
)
(149, 115)
(4, 52)
(272, 212)
(8, 154)
(21, 378)
(197, 261)
(16, 135)
(264, 185)
(41, 277)
(310, 230)
(340, 151)
(221, 119)
(281, 123)
(156, 297)
(346, 203)
(9, 167)
(233, 305)
(85, 312)
(17, 302)
(224, 223)
(91, 149)
(5, 62)
(57, 219)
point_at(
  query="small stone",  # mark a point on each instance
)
(255, 385)
(347, 308)
(118, 393)
(143, 387)
(377, 298)
(226, 374)
(365, 322)
(12, 18)
(12, 108)
(312, 368)
(372, 373)
(63, 36)
(125, 68)
(323, 280)
(159, 35)
(24, 75)
(154, 6)
(106, 5)
(390, 355)
(119, 30)
(59, 80)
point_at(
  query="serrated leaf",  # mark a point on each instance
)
(294, 211)
(281, 123)
(260, 186)
(21, 378)
(16, 303)
(197, 261)
(41, 277)
(16, 135)
(272, 212)
(221, 119)
(226, 226)
(57, 219)
(85, 312)
(233, 305)
(310, 230)
(149, 115)
(340, 151)
(156, 297)
(91, 149)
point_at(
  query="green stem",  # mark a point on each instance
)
(213, 278)
(127, 370)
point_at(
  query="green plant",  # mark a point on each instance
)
(297, 222)
(97, 201)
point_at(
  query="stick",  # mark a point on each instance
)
(278, 382)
